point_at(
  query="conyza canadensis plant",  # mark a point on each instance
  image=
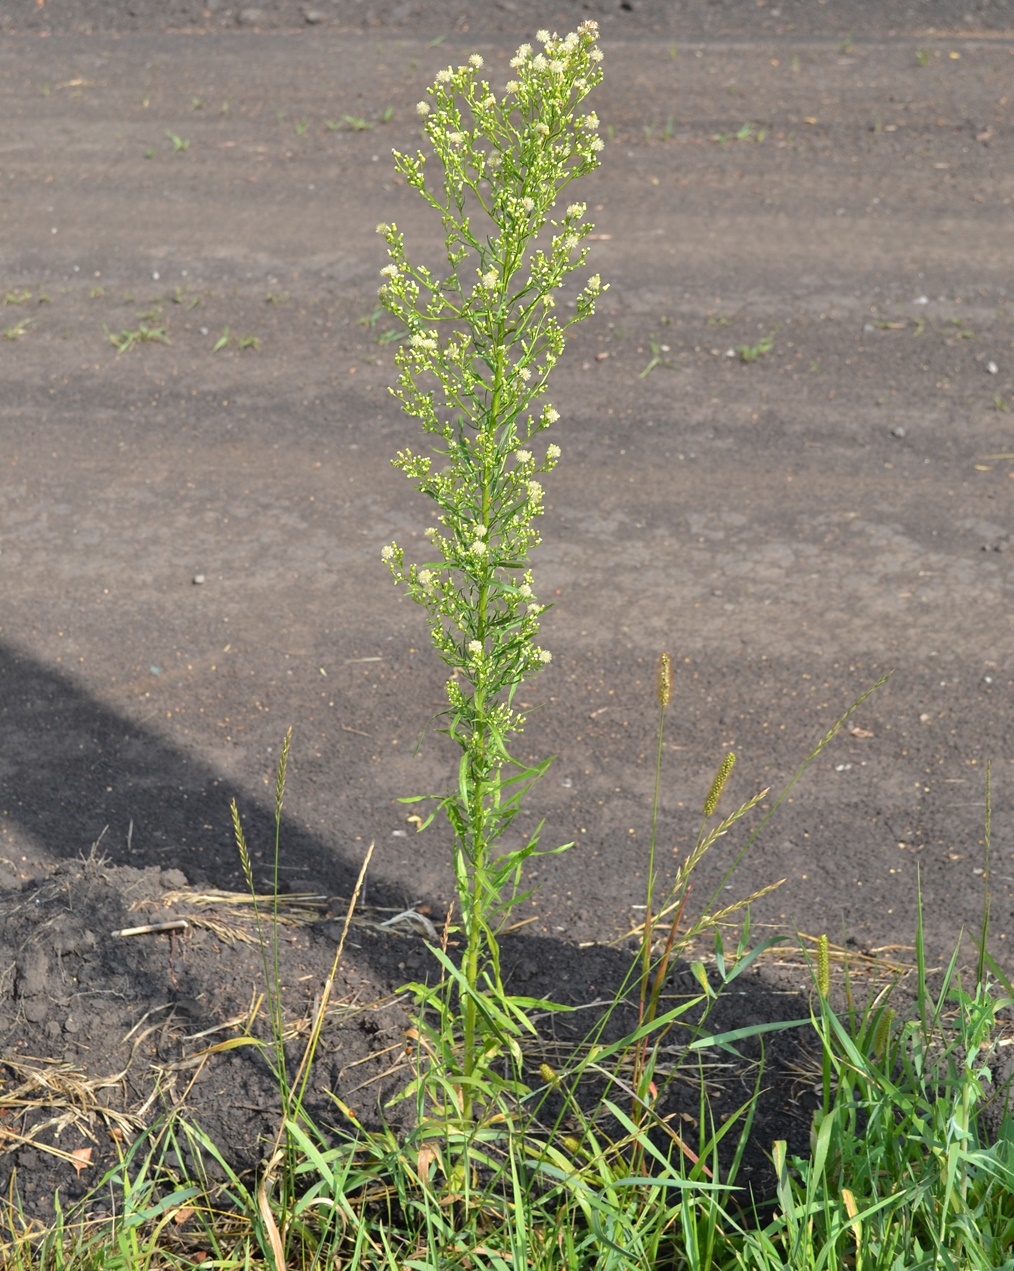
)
(485, 330)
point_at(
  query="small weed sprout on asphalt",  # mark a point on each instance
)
(754, 352)
(17, 329)
(124, 341)
(484, 337)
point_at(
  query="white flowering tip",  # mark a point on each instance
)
(479, 531)
(387, 553)
(490, 279)
(523, 456)
(550, 414)
(478, 548)
(534, 491)
(544, 656)
(525, 590)
(423, 341)
(525, 373)
(390, 271)
(432, 532)
(512, 86)
(539, 62)
(597, 144)
(383, 228)
(455, 138)
(445, 76)
(594, 283)
(553, 452)
(475, 60)
(475, 649)
(425, 577)
(422, 108)
(543, 36)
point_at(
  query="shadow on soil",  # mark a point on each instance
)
(101, 1031)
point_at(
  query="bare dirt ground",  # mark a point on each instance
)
(787, 459)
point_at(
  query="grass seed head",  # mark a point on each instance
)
(718, 785)
(882, 1033)
(664, 680)
(823, 968)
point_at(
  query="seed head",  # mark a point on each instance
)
(882, 1033)
(718, 785)
(664, 680)
(823, 968)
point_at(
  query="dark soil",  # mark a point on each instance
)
(189, 539)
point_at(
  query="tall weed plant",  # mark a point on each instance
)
(485, 331)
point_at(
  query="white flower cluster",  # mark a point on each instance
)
(482, 338)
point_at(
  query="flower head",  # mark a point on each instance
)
(422, 108)
(445, 76)
(523, 456)
(543, 36)
(475, 60)
(387, 553)
(391, 271)
(475, 649)
(553, 452)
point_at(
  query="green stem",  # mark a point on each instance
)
(478, 764)
(637, 1110)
